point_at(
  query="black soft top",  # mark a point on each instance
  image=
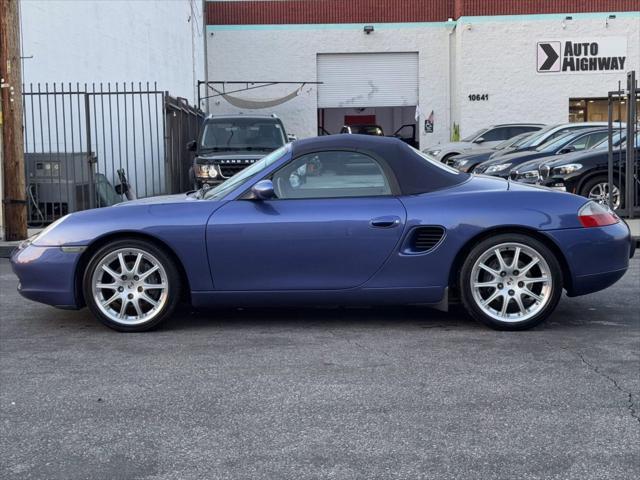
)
(414, 173)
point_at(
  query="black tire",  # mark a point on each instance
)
(592, 182)
(172, 279)
(466, 290)
(448, 156)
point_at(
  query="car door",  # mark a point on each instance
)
(334, 223)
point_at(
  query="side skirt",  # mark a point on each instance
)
(436, 297)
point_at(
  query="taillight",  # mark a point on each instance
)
(593, 214)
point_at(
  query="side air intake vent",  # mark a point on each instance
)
(424, 239)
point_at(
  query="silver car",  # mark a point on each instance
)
(484, 138)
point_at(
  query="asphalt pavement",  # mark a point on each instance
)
(403, 393)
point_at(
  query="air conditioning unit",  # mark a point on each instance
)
(57, 183)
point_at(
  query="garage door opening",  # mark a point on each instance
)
(368, 89)
(393, 121)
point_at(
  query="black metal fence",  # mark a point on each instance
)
(624, 164)
(182, 124)
(92, 145)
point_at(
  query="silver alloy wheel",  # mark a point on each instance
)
(130, 286)
(511, 282)
(600, 193)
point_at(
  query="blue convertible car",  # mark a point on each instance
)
(339, 220)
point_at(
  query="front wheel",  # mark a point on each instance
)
(511, 282)
(597, 189)
(131, 285)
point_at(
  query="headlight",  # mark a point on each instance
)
(433, 152)
(207, 171)
(40, 236)
(497, 168)
(566, 169)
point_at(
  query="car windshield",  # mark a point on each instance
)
(471, 138)
(242, 133)
(536, 138)
(226, 187)
(556, 143)
(513, 141)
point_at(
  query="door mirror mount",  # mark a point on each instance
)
(263, 190)
(568, 149)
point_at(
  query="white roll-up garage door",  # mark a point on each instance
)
(367, 79)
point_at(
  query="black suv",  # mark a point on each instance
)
(228, 144)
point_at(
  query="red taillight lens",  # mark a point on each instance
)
(593, 214)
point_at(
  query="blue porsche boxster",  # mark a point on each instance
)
(340, 220)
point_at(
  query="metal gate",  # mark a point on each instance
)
(182, 124)
(93, 145)
(623, 164)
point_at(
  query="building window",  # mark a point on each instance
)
(596, 110)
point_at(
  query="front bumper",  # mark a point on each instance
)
(554, 184)
(596, 257)
(212, 182)
(47, 274)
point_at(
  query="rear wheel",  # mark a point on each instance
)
(511, 282)
(131, 285)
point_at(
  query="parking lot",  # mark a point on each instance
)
(322, 393)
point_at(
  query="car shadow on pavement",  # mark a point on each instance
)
(186, 317)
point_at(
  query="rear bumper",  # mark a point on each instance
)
(46, 275)
(596, 257)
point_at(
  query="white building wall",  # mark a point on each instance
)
(288, 53)
(158, 43)
(497, 56)
(114, 41)
(483, 55)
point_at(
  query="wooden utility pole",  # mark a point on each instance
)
(14, 201)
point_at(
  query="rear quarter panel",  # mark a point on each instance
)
(472, 209)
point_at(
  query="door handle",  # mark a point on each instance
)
(385, 222)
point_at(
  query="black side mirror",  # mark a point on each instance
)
(192, 146)
(263, 190)
(568, 149)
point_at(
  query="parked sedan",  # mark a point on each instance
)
(340, 220)
(586, 174)
(468, 162)
(529, 172)
(570, 142)
(549, 133)
(484, 138)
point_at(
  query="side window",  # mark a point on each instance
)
(595, 138)
(331, 174)
(580, 143)
(497, 134)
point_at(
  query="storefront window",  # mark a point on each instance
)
(596, 110)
